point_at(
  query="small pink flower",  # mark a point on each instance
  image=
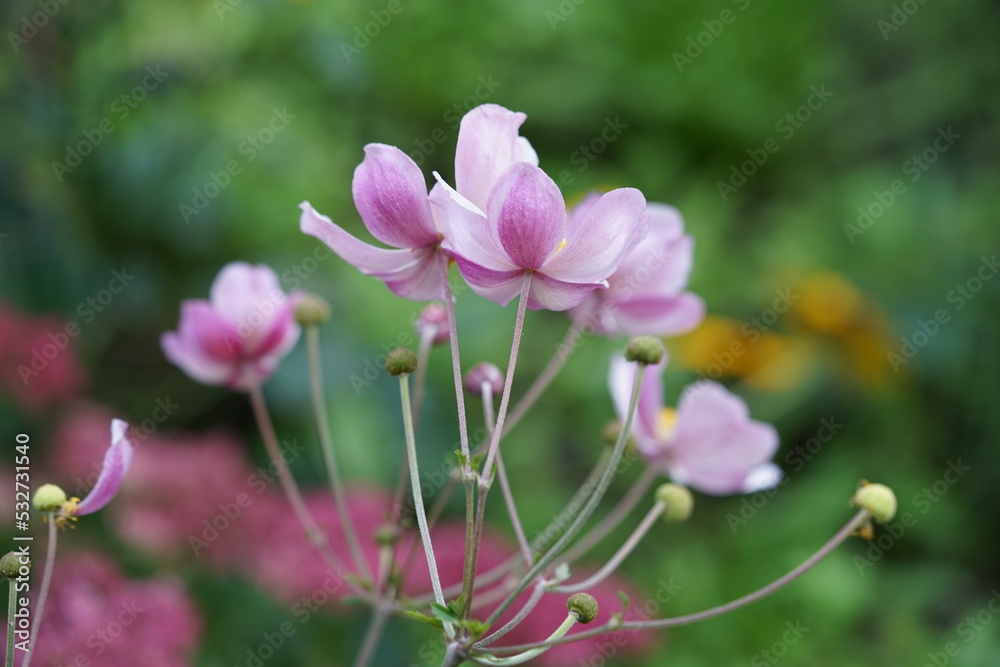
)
(116, 464)
(709, 443)
(238, 337)
(525, 229)
(646, 296)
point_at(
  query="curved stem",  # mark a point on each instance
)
(372, 633)
(530, 653)
(43, 591)
(549, 373)
(536, 596)
(486, 476)
(602, 486)
(418, 498)
(508, 496)
(614, 518)
(314, 534)
(857, 520)
(329, 456)
(623, 552)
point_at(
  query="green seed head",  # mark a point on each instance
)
(678, 500)
(10, 564)
(646, 350)
(311, 310)
(49, 497)
(878, 499)
(583, 606)
(401, 361)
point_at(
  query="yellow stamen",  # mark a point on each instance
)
(561, 246)
(666, 423)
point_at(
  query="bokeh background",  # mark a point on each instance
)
(162, 97)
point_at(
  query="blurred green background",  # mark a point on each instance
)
(698, 89)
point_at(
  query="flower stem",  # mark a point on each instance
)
(541, 383)
(43, 591)
(602, 486)
(530, 653)
(329, 456)
(508, 497)
(486, 476)
(536, 596)
(372, 633)
(857, 520)
(614, 517)
(647, 522)
(290, 488)
(418, 498)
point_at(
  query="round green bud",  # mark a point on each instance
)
(878, 499)
(646, 350)
(583, 606)
(401, 361)
(678, 500)
(49, 497)
(311, 310)
(10, 564)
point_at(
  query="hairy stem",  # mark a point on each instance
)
(43, 591)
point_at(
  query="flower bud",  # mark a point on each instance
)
(433, 322)
(484, 372)
(678, 500)
(11, 564)
(646, 350)
(311, 310)
(583, 606)
(401, 361)
(877, 499)
(49, 497)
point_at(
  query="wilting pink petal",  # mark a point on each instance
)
(710, 444)
(391, 196)
(645, 294)
(116, 463)
(488, 144)
(239, 336)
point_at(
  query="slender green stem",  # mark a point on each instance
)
(533, 600)
(508, 496)
(647, 522)
(857, 520)
(11, 610)
(614, 518)
(316, 536)
(418, 497)
(602, 486)
(329, 456)
(486, 476)
(530, 653)
(43, 590)
(548, 374)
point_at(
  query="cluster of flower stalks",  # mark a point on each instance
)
(617, 265)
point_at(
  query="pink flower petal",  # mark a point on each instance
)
(391, 195)
(499, 286)
(530, 215)
(644, 425)
(190, 358)
(116, 464)
(547, 293)
(241, 289)
(659, 316)
(607, 233)
(470, 234)
(488, 144)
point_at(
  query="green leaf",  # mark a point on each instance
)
(424, 618)
(624, 599)
(446, 614)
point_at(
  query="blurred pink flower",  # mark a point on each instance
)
(238, 337)
(645, 296)
(38, 361)
(96, 616)
(709, 443)
(176, 490)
